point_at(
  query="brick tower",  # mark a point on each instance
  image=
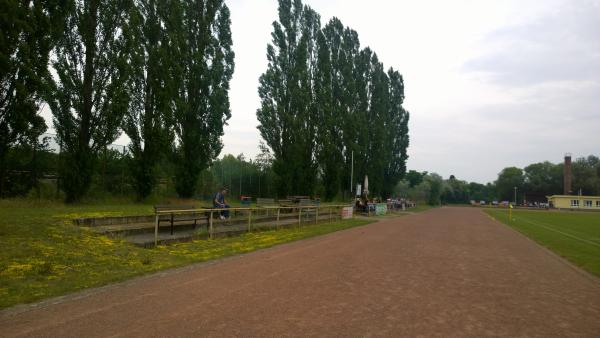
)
(567, 170)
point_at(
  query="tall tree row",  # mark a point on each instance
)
(157, 70)
(149, 115)
(29, 31)
(181, 63)
(88, 98)
(324, 101)
(288, 119)
(202, 70)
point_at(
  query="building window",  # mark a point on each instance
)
(587, 203)
(597, 204)
(574, 203)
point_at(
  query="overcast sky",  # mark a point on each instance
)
(489, 84)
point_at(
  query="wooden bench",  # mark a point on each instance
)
(285, 203)
(305, 202)
(265, 202)
(297, 199)
(186, 217)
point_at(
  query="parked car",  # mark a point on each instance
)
(482, 203)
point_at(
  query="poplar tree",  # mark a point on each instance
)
(356, 126)
(88, 98)
(377, 121)
(203, 64)
(325, 101)
(328, 138)
(287, 114)
(330, 96)
(397, 139)
(148, 119)
(29, 30)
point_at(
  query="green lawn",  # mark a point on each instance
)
(573, 235)
(44, 255)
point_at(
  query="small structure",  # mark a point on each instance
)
(574, 202)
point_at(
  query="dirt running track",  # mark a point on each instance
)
(445, 272)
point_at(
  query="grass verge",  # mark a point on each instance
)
(43, 255)
(572, 235)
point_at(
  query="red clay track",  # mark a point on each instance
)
(446, 272)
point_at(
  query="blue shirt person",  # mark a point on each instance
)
(219, 203)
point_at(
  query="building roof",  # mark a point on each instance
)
(571, 196)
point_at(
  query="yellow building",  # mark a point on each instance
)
(574, 202)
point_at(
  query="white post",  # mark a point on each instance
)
(352, 174)
(156, 230)
(210, 225)
(278, 209)
(249, 219)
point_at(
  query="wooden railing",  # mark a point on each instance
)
(317, 209)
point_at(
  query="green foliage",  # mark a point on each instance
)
(482, 192)
(434, 190)
(148, 121)
(396, 134)
(509, 179)
(112, 173)
(202, 68)
(329, 140)
(241, 176)
(414, 177)
(436, 184)
(455, 191)
(543, 178)
(88, 99)
(287, 116)
(586, 175)
(28, 33)
(322, 100)
(27, 164)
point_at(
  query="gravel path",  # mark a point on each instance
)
(444, 272)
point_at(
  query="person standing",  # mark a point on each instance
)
(219, 203)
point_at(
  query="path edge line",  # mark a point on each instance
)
(579, 270)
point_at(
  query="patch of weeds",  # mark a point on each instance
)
(45, 269)
(146, 260)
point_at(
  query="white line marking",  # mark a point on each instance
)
(560, 232)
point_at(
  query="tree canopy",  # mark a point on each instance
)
(325, 101)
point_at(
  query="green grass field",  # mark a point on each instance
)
(44, 255)
(573, 235)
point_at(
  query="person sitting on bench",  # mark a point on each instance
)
(219, 202)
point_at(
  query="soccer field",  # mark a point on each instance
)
(573, 235)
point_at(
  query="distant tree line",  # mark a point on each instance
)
(546, 178)
(158, 71)
(325, 101)
(532, 183)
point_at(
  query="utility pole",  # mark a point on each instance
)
(515, 196)
(352, 174)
